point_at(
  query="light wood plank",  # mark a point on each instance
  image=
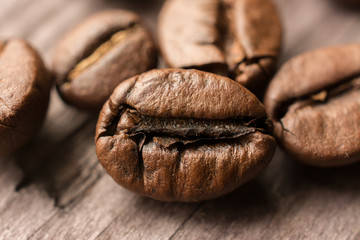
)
(129, 216)
(25, 212)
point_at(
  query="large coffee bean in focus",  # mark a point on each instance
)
(314, 101)
(25, 87)
(98, 54)
(183, 135)
(240, 39)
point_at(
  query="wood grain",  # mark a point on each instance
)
(55, 188)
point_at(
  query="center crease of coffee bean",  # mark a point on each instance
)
(168, 131)
(234, 54)
(322, 96)
(99, 52)
(228, 42)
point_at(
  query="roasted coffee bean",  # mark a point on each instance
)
(93, 58)
(25, 87)
(240, 39)
(315, 103)
(183, 135)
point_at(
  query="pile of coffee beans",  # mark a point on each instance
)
(197, 130)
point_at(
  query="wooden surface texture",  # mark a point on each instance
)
(54, 188)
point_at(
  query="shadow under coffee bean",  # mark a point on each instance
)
(25, 88)
(183, 135)
(98, 54)
(238, 39)
(314, 101)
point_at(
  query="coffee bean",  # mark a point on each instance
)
(183, 135)
(240, 39)
(25, 87)
(93, 58)
(315, 103)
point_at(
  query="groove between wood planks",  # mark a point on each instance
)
(185, 221)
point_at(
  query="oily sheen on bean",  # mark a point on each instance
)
(24, 94)
(239, 39)
(98, 54)
(314, 101)
(183, 135)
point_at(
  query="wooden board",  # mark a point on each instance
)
(55, 188)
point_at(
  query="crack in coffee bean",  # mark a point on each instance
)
(100, 51)
(320, 97)
(187, 130)
(227, 42)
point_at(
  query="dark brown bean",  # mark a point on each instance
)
(25, 87)
(98, 54)
(183, 135)
(240, 39)
(315, 103)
